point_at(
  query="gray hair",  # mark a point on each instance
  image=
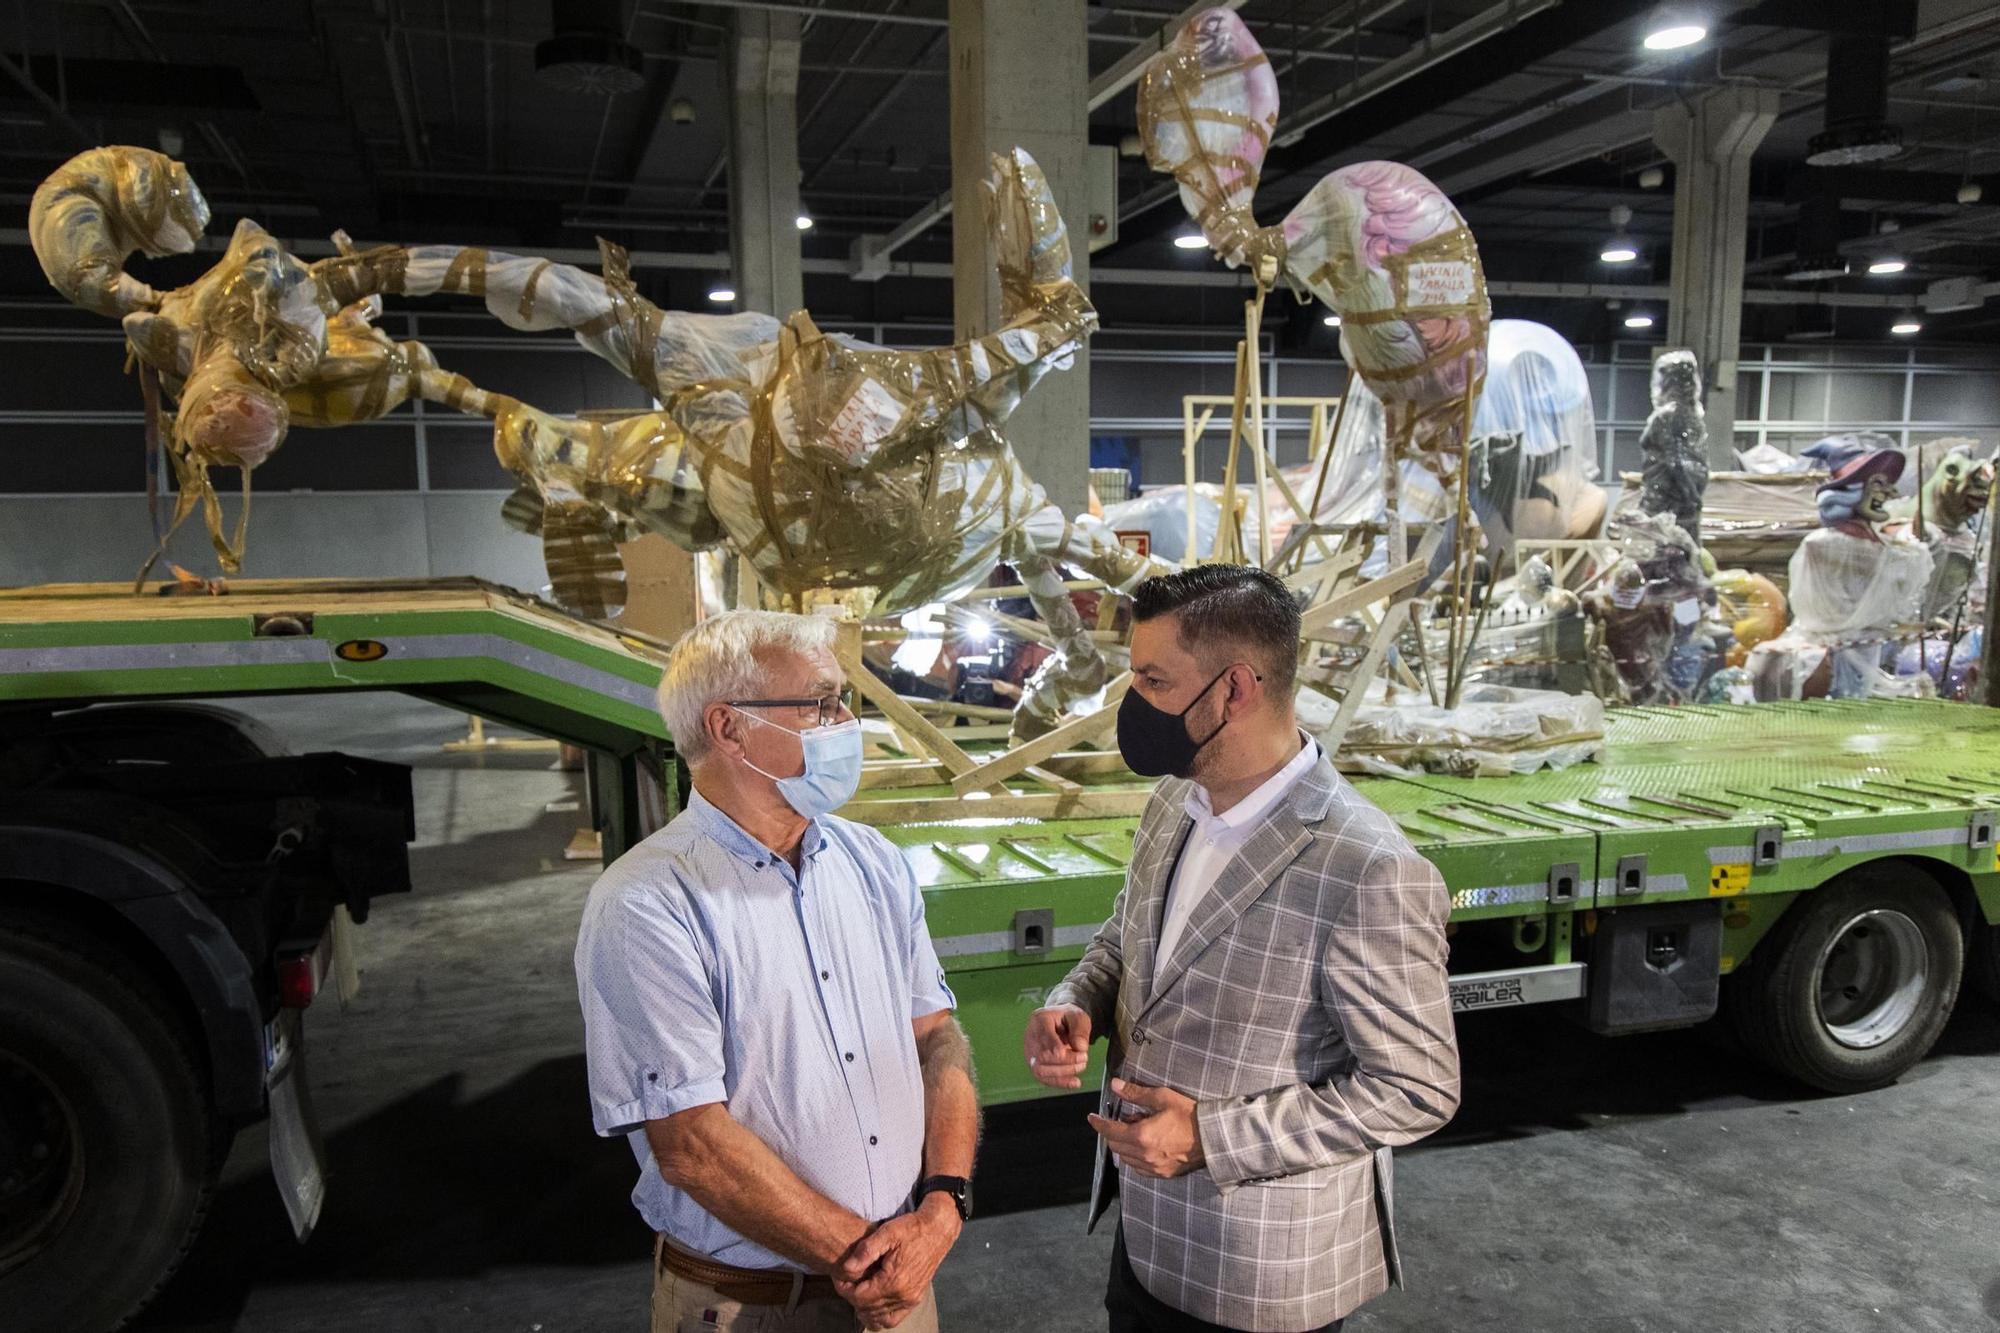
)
(718, 660)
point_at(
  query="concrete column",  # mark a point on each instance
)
(1020, 77)
(1711, 145)
(763, 74)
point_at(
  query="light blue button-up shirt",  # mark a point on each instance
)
(710, 972)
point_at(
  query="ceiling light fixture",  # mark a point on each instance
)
(1638, 321)
(1618, 250)
(1674, 28)
(1888, 265)
(1331, 321)
(805, 222)
(1192, 240)
(1906, 324)
(722, 295)
(1969, 193)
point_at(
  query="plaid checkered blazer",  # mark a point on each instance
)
(1306, 1011)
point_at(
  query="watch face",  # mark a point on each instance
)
(965, 1201)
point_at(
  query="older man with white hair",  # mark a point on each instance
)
(766, 1019)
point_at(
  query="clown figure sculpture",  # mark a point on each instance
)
(1853, 586)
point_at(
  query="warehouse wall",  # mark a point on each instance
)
(419, 493)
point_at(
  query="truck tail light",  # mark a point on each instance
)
(301, 973)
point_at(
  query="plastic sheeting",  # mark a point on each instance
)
(1376, 241)
(1849, 594)
(827, 462)
(1495, 731)
(1654, 604)
(1675, 443)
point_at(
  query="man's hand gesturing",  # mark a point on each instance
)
(1058, 1045)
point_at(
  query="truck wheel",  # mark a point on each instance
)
(1855, 984)
(107, 1159)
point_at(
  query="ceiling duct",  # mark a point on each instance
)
(1818, 248)
(588, 52)
(1857, 104)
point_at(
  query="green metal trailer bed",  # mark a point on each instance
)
(1623, 891)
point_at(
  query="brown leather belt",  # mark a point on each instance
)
(751, 1286)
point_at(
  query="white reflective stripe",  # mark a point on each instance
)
(299, 650)
(1499, 895)
(1608, 888)
(1855, 842)
(1002, 941)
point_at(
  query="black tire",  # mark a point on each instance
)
(93, 1074)
(1854, 985)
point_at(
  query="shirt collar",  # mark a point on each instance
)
(1261, 801)
(725, 830)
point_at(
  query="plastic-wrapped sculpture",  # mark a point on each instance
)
(1375, 241)
(251, 347)
(1941, 515)
(824, 461)
(1852, 586)
(1653, 604)
(1537, 433)
(1675, 443)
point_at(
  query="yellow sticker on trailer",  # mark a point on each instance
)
(1727, 881)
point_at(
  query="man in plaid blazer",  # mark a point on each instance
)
(1271, 981)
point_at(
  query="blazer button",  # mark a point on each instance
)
(1138, 1036)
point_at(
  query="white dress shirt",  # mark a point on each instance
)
(1214, 839)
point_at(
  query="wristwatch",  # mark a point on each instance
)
(958, 1187)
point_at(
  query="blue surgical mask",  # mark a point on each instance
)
(833, 767)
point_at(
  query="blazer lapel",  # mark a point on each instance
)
(1149, 880)
(1271, 848)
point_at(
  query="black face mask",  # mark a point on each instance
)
(1156, 742)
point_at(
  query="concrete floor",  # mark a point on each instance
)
(1650, 1183)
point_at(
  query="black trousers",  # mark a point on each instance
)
(1133, 1309)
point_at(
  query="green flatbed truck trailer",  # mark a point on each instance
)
(172, 884)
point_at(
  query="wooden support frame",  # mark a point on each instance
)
(1248, 422)
(998, 769)
(921, 730)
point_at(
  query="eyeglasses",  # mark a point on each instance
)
(828, 708)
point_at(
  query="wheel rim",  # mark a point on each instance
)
(1872, 976)
(41, 1163)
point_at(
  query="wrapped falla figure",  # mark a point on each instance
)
(823, 461)
(1675, 443)
(1943, 514)
(1853, 586)
(1377, 242)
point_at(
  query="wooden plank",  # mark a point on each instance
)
(1085, 763)
(995, 771)
(980, 712)
(1001, 590)
(903, 773)
(1048, 779)
(1357, 681)
(1362, 594)
(1007, 805)
(847, 650)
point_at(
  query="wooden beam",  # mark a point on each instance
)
(847, 650)
(998, 770)
(1364, 594)
(1086, 804)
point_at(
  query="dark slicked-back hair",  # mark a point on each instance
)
(1218, 606)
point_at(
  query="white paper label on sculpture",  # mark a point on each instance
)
(1021, 344)
(1687, 611)
(1440, 282)
(871, 413)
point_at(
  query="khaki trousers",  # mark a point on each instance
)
(682, 1306)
